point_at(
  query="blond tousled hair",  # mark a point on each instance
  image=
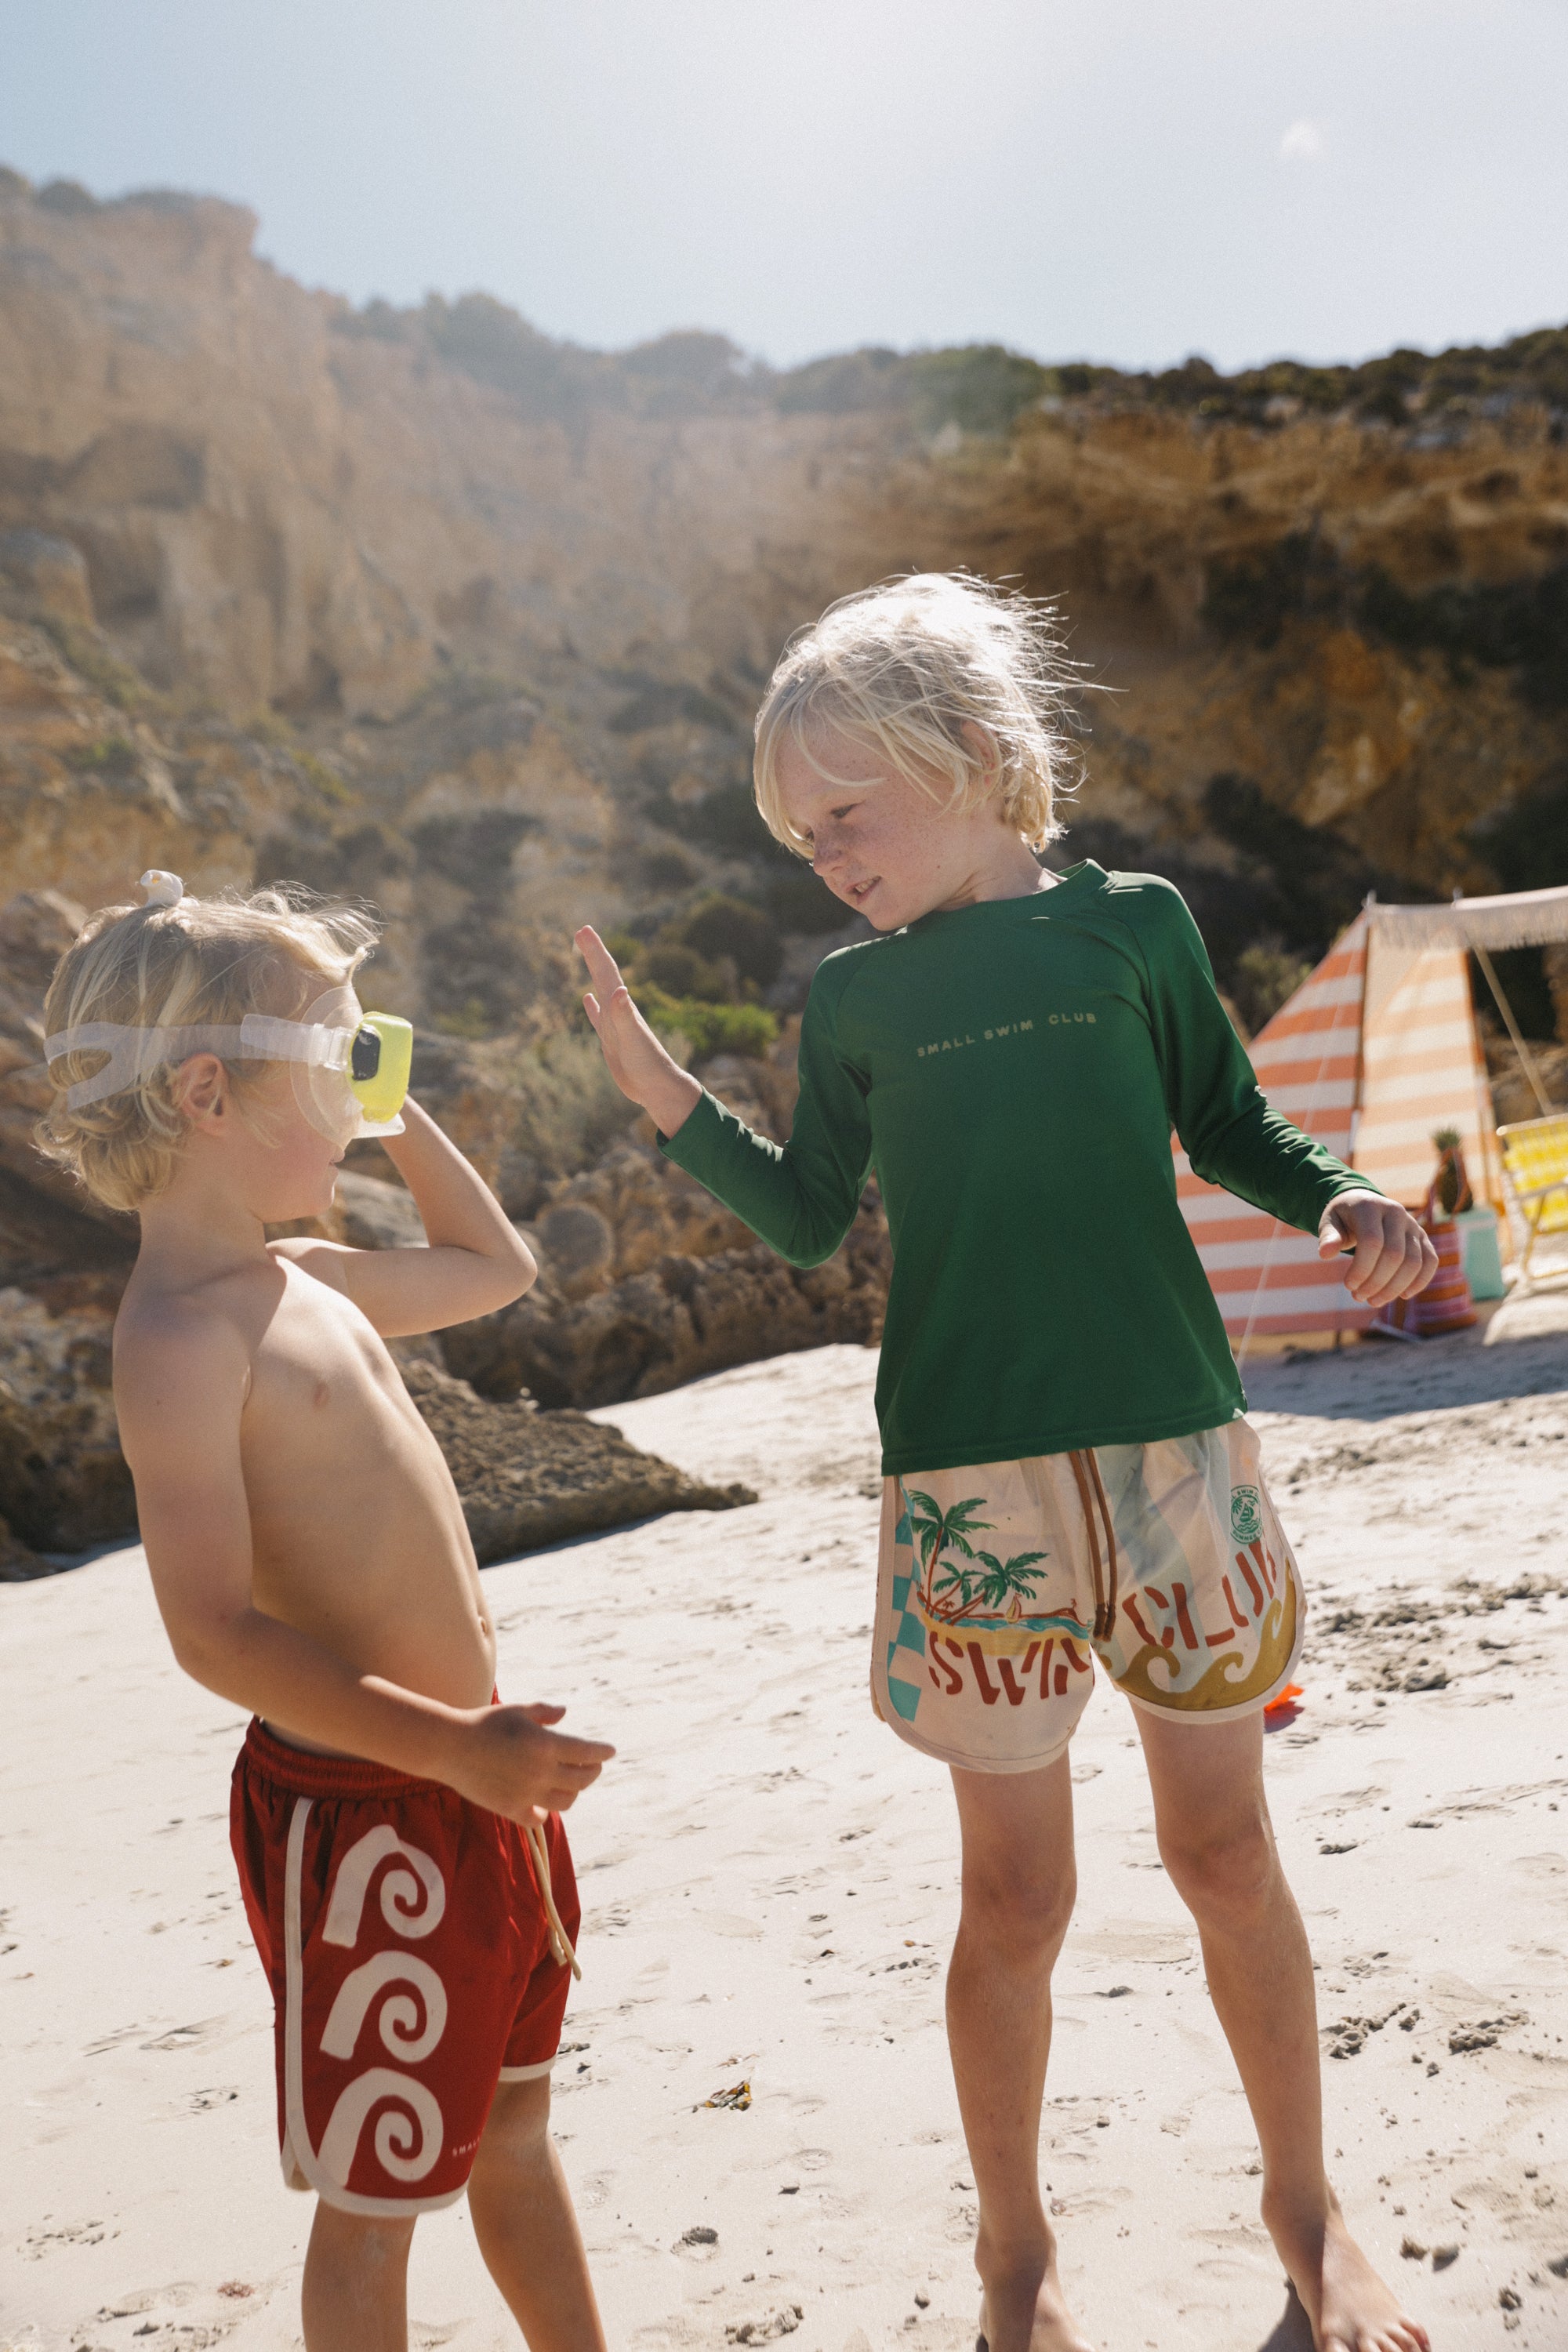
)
(964, 687)
(152, 967)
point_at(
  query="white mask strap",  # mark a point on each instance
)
(133, 1053)
(264, 1039)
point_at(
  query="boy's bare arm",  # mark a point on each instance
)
(475, 1262)
(180, 1386)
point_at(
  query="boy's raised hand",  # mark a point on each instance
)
(1392, 1257)
(638, 1064)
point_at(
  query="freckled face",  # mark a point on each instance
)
(284, 1167)
(880, 844)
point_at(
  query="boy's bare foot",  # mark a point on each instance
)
(1024, 2310)
(1350, 2308)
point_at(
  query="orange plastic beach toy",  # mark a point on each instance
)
(1286, 1697)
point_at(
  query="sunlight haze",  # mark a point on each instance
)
(1119, 181)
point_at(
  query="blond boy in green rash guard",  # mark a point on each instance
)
(1069, 1476)
(397, 1832)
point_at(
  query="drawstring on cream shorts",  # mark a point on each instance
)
(999, 1584)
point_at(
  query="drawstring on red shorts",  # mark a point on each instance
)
(560, 1941)
(561, 1949)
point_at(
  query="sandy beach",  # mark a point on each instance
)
(770, 1889)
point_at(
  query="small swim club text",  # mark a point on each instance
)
(1003, 1029)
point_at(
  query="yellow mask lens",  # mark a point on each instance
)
(379, 1063)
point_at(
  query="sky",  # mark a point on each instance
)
(1126, 180)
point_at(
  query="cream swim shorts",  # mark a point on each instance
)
(998, 1585)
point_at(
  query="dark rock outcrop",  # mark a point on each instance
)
(528, 1478)
(64, 1485)
(679, 1318)
(525, 1477)
(636, 1291)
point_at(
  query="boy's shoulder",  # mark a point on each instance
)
(177, 1351)
(1147, 904)
(158, 1317)
(1130, 893)
(843, 965)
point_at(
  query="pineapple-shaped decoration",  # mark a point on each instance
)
(1450, 1192)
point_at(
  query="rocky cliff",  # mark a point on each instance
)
(423, 607)
(502, 607)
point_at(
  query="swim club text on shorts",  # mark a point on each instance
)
(1000, 1584)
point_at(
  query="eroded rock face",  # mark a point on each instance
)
(525, 1477)
(19, 1563)
(682, 1316)
(279, 503)
(290, 593)
(64, 1485)
(49, 574)
(646, 1281)
(50, 1228)
(371, 1215)
(528, 1478)
(1513, 1096)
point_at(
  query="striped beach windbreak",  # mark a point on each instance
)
(1267, 1276)
(1375, 1050)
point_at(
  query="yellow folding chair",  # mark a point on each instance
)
(1535, 1164)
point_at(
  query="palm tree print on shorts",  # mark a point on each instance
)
(961, 1584)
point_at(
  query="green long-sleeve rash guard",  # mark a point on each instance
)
(1011, 1072)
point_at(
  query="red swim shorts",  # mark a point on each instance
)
(409, 1955)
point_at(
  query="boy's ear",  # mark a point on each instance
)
(985, 748)
(201, 1091)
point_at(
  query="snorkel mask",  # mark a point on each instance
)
(350, 1067)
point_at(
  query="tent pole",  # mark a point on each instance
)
(1358, 1087)
(1519, 1048)
(1367, 903)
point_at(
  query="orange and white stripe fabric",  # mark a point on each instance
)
(1376, 1050)
(1267, 1276)
(1421, 1069)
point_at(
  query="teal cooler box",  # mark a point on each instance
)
(1483, 1254)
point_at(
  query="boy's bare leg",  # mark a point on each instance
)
(1019, 1888)
(1217, 1842)
(526, 2228)
(355, 2295)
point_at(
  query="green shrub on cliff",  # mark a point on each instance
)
(1264, 976)
(748, 1029)
(981, 387)
(676, 970)
(724, 928)
(105, 754)
(798, 901)
(569, 1108)
(725, 818)
(720, 955)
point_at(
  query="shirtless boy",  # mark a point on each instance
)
(398, 1836)
(1069, 1476)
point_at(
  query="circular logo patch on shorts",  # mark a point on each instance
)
(1245, 1514)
